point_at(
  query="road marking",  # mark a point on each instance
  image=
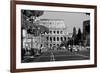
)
(82, 55)
(63, 55)
(58, 55)
(52, 57)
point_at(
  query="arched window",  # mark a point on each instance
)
(50, 45)
(54, 39)
(61, 32)
(61, 38)
(50, 32)
(57, 32)
(57, 38)
(50, 38)
(41, 45)
(65, 38)
(54, 32)
(47, 38)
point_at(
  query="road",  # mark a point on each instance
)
(59, 55)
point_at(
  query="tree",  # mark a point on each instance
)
(39, 29)
(29, 23)
(32, 14)
(28, 18)
(87, 14)
(74, 33)
(74, 36)
(79, 36)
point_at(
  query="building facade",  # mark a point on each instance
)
(86, 33)
(57, 32)
(56, 35)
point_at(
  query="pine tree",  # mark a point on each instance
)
(74, 36)
(79, 36)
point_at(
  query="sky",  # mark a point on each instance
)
(71, 19)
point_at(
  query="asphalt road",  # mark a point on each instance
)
(59, 55)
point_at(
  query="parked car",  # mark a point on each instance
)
(88, 48)
(75, 48)
(63, 47)
(69, 47)
(43, 49)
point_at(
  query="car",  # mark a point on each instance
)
(43, 49)
(69, 47)
(63, 47)
(75, 48)
(87, 47)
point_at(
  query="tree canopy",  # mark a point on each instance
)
(74, 33)
(32, 27)
(30, 13)
(37, 30)
(87, 13)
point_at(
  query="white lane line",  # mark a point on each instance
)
(64, 55)
(58, 55)
(52, 57)
(82, 55)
